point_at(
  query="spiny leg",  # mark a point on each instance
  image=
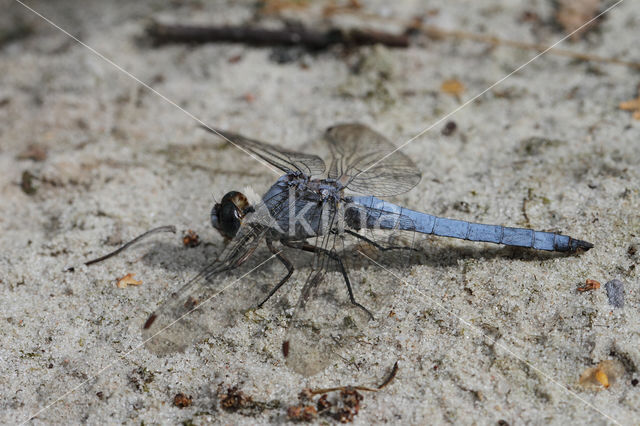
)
(314, 249)
(287, 264)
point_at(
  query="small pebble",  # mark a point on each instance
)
(27, 183)
(449, 128)
(615, 293)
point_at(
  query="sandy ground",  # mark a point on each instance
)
(482, 334)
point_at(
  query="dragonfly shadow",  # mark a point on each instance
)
(177, 258)
(189, 261)
(441, 255)
(449, 255)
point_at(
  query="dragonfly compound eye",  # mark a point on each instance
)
(227, 215)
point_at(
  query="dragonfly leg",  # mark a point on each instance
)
(332, 255)
(376, 245)
(287, 264)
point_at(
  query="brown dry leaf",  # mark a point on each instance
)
(572, 14)
(632, 105)
(603, 375)
(589, 285)
(127, 280)
(452, 87)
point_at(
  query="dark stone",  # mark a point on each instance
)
(615, 293)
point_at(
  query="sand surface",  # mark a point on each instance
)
(481, 333)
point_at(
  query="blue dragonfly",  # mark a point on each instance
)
(335, 214)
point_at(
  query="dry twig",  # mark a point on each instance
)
(288, 36)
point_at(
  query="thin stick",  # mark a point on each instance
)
(256, 36)
(167, 228)
(342, 388)
(436, 32)
(432, 31)
(392, 375)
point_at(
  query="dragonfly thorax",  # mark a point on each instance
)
(301, 207)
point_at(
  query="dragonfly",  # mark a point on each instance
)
(333, 213)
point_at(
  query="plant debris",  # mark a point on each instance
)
(632, 105)
(26, 183)
(589, 285)
(452, 87)
(168, 228)
(602, 376)
(572, 14)
(332, 8)
(390, 377)
(33, 152)
(190, 239)
(350, 405)
(289, 35)
(274, 7)
(127, 280)
(343, 408)
(182, 401)
(323, 403)
(233, 399)
(140, 378)
(302, 413)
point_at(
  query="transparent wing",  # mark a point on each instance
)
(285, 160)
(210, 301)
(359, 161)
(315, 334)
(326, 325)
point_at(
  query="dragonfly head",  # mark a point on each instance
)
(227, 215)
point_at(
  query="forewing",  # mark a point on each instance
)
(190, 314)
(211, 300)
(361, 161)
(285, 160)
